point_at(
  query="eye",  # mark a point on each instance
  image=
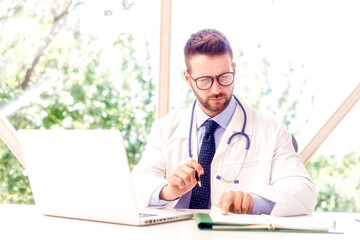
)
(226, 79)
(203, 80)
(226, 76)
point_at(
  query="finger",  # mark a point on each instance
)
(184, 173)
(175, 181)
(248, 203)
(190, 173)
(225, 208)
(245, 204)
(195, 165)
(193, 174)
(186, 178)
(238, 199)
(187, 174)
(227, 202)
(177, 178)
(220, 203)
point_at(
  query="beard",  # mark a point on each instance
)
(215, 107)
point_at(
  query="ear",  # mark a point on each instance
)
(233, 66)
(187, 77)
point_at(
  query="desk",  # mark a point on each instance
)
(25, 222)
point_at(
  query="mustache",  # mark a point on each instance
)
(217, 95)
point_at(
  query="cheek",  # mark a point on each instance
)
(199, 93)
(188, 82)
(230, 90)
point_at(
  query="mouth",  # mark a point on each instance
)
(217, 98)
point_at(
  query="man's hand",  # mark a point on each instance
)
(181, 180)
(236, 202)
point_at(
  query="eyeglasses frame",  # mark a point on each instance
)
(213, 79)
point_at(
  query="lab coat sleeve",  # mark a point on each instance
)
(290, 185)
(149, 173)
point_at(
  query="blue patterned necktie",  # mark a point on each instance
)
(200, 195)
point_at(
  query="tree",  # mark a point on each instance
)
(58, 22)
(84, 95)
(337, 181)
(87, 95)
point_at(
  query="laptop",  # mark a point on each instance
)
(84, 174)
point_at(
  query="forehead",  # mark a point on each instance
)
(210, 65)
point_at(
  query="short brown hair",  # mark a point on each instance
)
(206, 41)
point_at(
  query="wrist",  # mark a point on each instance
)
(167, 194)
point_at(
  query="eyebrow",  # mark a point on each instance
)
(213, 75)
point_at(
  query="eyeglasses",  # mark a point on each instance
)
(205, 82)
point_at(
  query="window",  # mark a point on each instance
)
(296, 61)
(100, 61)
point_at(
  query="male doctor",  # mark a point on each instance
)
(237, 158)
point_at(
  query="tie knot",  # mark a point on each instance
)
(210, 126)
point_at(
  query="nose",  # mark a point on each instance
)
(216, 87)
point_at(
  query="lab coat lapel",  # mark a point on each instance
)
(182, 131)
(194, 146)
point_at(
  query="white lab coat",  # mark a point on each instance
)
(272, 170)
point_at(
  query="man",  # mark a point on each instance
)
(257, 171)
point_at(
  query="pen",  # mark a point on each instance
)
(197, 178)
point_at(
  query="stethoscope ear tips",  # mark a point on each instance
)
(218, 177)
(236, 181)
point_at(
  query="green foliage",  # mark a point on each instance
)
(278, 94)
(85, 95)
(88, 100)
(272, 85)
(14, 184)
(337, 181)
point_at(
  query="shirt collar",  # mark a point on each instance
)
(223, 118)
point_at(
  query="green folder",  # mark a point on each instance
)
(204, 222)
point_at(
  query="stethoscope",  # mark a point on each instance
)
(236, 181)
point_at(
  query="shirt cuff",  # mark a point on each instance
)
(155, 197)
(261, 205)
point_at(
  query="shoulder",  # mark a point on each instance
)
(258, 121)
(267, 130)
(176, 122)
(172, 118)
(265, 120)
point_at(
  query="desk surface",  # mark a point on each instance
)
(25, 222)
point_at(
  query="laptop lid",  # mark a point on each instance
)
(81, 174)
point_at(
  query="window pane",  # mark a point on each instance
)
(103, 60)
(296, 61)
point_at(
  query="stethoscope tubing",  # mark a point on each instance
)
(236, 181)
(231, 137)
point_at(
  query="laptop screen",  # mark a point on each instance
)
(80, 174)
